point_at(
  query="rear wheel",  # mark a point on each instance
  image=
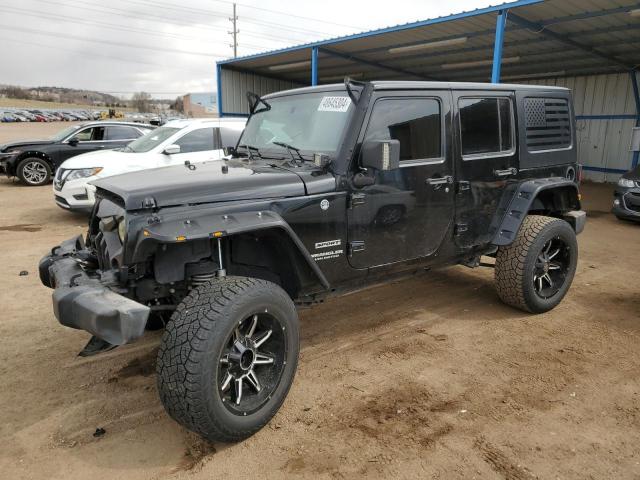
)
(536, 270)
(228, 357)
(34, 171)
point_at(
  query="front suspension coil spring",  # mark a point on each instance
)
(201, 278)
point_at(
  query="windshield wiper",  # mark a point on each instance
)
(290, 148)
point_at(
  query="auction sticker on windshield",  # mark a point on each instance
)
(334, 104)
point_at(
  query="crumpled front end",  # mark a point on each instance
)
(87, 292)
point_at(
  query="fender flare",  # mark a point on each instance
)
(12, 167)
(519, 203)
(216, 225)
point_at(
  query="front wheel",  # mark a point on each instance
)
(536, 270)
(34, 171)
(228, 357)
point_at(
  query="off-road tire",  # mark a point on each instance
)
(27, 179)
(515, 263)
(194, 338)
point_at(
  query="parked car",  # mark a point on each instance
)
(183, 140)
(28, 115)
(232, 247)
(7, 117)
(35, 161)
(626, 197)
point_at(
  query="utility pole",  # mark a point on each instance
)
(235, 32)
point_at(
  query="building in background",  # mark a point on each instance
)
(200, 104)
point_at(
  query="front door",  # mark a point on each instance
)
(486, 161)
(85, 140)
(405, 213)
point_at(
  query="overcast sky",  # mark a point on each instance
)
(169, 47)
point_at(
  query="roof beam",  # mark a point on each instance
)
(597, 13)
(370, 63)
(536, 27)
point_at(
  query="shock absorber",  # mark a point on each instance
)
(221, 271)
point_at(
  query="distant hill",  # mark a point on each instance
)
(60, 95)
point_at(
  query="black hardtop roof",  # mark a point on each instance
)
(426, 85)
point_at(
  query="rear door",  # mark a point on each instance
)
(486, 158)
(406, 213)
(117, 136)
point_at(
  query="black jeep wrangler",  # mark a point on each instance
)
(329, 189)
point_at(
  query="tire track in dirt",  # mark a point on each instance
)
(500, 463)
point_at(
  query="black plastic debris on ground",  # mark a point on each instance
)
(23, 273)
(99, 432)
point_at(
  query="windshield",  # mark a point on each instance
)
(311, 122)
(150, 140)
(62, 134)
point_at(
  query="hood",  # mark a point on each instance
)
(633, 174)
(97, 158)
(24, 143)
(207, 182)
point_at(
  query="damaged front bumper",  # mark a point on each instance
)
(85, 302)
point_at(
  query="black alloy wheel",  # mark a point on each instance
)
(551, 268)
(251, 365)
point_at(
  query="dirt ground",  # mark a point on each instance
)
(430, 377)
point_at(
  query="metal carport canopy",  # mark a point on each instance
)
(525, 39)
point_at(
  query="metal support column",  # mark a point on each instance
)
(219, 87)
(314, 66)
(636, 95)
(501, 21)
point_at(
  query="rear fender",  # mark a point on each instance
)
(556, 196)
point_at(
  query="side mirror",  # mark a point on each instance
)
(229, 151)
(171, 149)
(381, 155)
(73, 141)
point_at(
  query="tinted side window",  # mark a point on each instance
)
(122, 133)
(93, 134)
(197, 141)
(415, 122)
(229, 137)
(486, 125)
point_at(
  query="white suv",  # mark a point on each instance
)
(172, 144)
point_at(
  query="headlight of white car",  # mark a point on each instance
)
(82, 173)
(625, 182)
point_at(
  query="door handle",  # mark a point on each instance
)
(505, 173)
(439, 180)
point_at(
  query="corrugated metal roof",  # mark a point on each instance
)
(547, 38)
